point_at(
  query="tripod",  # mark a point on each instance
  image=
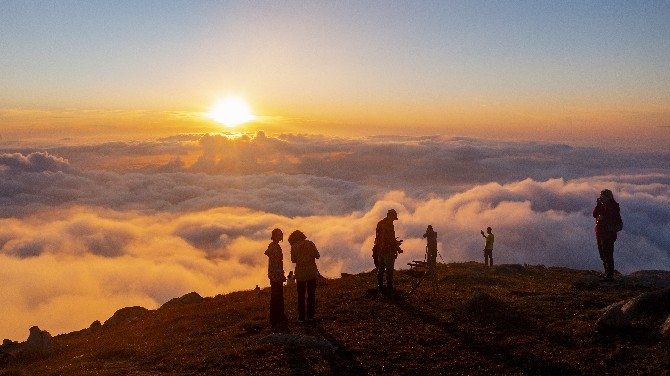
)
(420, 270)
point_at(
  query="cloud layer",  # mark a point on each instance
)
(101, 227)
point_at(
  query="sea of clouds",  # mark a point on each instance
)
(88, 229)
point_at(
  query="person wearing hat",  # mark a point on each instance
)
(488, 246)
(387, 248)
(608, 222)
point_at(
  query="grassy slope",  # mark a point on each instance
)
(537, 324)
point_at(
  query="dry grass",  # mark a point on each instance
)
(531, 321)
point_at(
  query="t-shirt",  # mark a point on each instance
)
(275, 263)
(489, 242)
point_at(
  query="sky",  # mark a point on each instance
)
(531, 69)
(117, 189)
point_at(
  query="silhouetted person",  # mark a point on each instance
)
(431, 255)
(431, 245)
(258, 290)
(388, 248)
(304, 255)
(488, 246)
(608, 222)
(277, 279)
(290, 278)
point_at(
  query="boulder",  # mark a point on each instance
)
(510, 269)
(95, 325)
(646, 302)
(613, 318)
(126, 314)
(39, 341)
(621, 314)
(186, 299)
(665, 328)
(656, 278)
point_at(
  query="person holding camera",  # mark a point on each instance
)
(608, 222)
(488, 246)
(304, 255)
(387, 248)
(431, 246)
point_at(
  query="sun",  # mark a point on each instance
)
(231, 112)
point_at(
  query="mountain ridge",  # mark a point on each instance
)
(509, 319)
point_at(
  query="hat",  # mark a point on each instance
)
(392, 214)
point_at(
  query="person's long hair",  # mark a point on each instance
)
(296, 236)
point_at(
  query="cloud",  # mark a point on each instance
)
(35, 162)
(194, 213)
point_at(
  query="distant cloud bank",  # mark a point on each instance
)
(101, 227)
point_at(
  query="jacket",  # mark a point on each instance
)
(304, 255)
(385, 241)
(607, 214)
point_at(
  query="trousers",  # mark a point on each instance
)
(309, 287)
(385, 266)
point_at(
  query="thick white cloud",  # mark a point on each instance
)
(139, 224)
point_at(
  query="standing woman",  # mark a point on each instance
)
(304, 255)
(277, 279)
(608, 222)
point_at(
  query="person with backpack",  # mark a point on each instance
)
(608, 223)
(304, 255)
(387, 247)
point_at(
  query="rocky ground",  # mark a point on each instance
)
(507, 320)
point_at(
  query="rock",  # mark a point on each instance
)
(621, 314)
(646, 302)
(510, 269)
(665, 328)
(657, 278)
(95, 325)
(126, 314)
(188, 298)
(39, 341)
(612, 318)
(587, 282)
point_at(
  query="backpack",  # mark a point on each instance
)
(616, 225)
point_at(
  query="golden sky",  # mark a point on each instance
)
(538, 71)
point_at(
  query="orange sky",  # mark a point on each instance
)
(544, 71)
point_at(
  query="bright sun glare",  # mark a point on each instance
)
(231, 112)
